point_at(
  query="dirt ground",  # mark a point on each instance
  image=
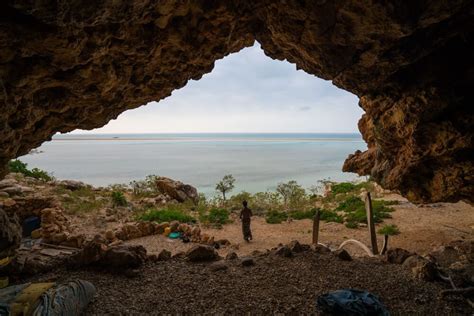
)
(274, 285)
(422, 228)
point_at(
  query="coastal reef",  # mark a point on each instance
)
(74, 64)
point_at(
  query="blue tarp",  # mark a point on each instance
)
(351, 302)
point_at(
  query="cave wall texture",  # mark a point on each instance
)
(70, 64)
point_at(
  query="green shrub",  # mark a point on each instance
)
(308, 214)
(275, 217)
(218, 216)
(352, 225)
(343, 187)
(330, 216)
(19, 166)
(390, 230)
(355, 211)
(118, 199)
(166, 215)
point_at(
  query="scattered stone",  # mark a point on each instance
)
(72, 184)
(152, 258)
(231, 256)
(218, 266)
(295, 246)
(343, 255)
(421, 267)
(397, 255)
(223, 242)
(4, 194)
(284, 251)
(164, 255)
(174, 226)
(320, 249)
(110, 235)
(201, 253)
(124, 256)
(247, 261)
(179, 255)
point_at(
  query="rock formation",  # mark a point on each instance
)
(67, 65)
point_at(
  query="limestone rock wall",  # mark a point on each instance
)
(75, 64)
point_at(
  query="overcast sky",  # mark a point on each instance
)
(246, 92)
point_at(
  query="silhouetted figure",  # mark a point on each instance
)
(245, 216)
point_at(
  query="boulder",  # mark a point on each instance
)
(164, 255)
(4, 195)
(247, 261)
(320, 249)
(284, 251)
(421, 268)
(72, 185)
(176, 189)
(223, 242)
(343, 255)
(295, 246)
(397, 255)
(231, 256)
(201, 253)
(123, 256)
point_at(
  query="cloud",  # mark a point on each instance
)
(247, 92)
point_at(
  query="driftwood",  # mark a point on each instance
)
(316, 227)
(385, 245)
(357, 243)
(371, 223)
(455, 289)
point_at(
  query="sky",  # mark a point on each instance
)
(246, 92)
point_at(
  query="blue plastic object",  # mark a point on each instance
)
(174, 235)
(352, 303)
(30, 224)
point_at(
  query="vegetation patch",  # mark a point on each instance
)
(389, 230)
(330, 216)
(19, 166)
(166, 215)
(354, 209)
(81, 201)
(216, 216)
(275, 217)
(118, 199)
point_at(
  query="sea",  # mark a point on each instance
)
(258, 162)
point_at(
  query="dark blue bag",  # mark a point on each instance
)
(352, 303)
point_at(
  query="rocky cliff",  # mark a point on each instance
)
(75, 64)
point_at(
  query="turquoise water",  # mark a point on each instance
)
(257, 161)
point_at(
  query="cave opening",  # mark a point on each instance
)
(254, 117)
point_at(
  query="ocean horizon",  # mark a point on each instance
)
(258, 161)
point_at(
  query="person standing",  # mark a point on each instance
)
(245, 216)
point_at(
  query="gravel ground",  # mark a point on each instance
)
(273, 285)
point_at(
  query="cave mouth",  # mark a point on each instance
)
(68, 67)
(254, 117)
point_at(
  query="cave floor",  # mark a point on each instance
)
(273, 285)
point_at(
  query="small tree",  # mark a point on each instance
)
(225, 185)
(291, 192)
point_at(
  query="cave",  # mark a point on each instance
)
(74, 64)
